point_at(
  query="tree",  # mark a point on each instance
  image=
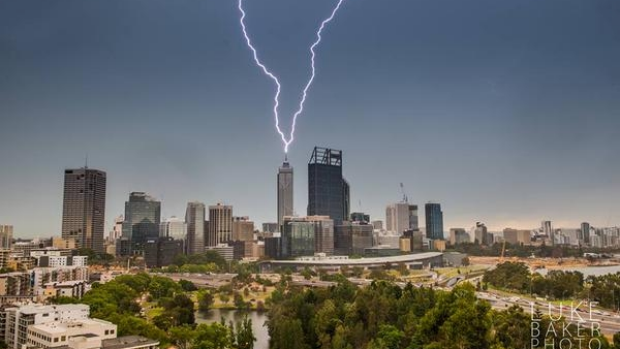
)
(187, 286)
(182, 336)
(205, 301)
(224, 298)
(244, 335)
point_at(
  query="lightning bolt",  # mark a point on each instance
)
(266, 71)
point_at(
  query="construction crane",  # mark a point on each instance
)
(501, 257)
(402, 189)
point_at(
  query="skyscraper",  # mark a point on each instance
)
(195, 221)
(328, 192)
(142, 218)
(585, 232)
(174, 228)
(285, 192)
(434, 221)
(220, 225)
(6, 237)
(83, 209)
(400, 217)
(242, 229)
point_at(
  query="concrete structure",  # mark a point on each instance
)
(518, 236)
(195, 218)
(117, 228)
(481, 235)
(412, 261)
(15, 284)
(400, 217)
(285, 192)
(142, 218)
(226, 251)
(6, 237)
(64, 244)
(377, 225)
(57, 334)
(242, 229)
(17, 320)
(75, 289)
(42, 276)
(220, 225)
(83, 210)
(458, 236)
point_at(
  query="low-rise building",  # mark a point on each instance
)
(57, 334)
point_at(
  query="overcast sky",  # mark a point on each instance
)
(506, 112)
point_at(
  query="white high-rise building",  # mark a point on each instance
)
(17, 321)
(117, 229)
(6, 237)
(400, 217)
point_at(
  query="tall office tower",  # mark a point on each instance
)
(328, 192)
(458, 236)
(285, 192)
(220, 225)
(242, 229)
(585, 232)
(346, 199)
(413, 217)
(400, 217)
(323, 234)
(142, 218)
(195, 222)
(174, 228)
(434, 221)
(6, 237)
(117, 228)
(83, 209)
(481, 235)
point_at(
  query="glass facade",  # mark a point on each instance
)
(328, 192)
(298, 239)
(142, 219)
(434, 221)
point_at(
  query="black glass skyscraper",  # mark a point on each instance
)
(328, 192)
(83, 211)
(434, 221)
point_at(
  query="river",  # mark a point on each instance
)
(587, 271)
(258, 323)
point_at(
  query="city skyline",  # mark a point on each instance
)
(503, 114)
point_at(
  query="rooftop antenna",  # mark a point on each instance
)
(86, 161)
(402, 189)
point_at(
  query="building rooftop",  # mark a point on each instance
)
(364, 261)
(60, 327)
(127, 342)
